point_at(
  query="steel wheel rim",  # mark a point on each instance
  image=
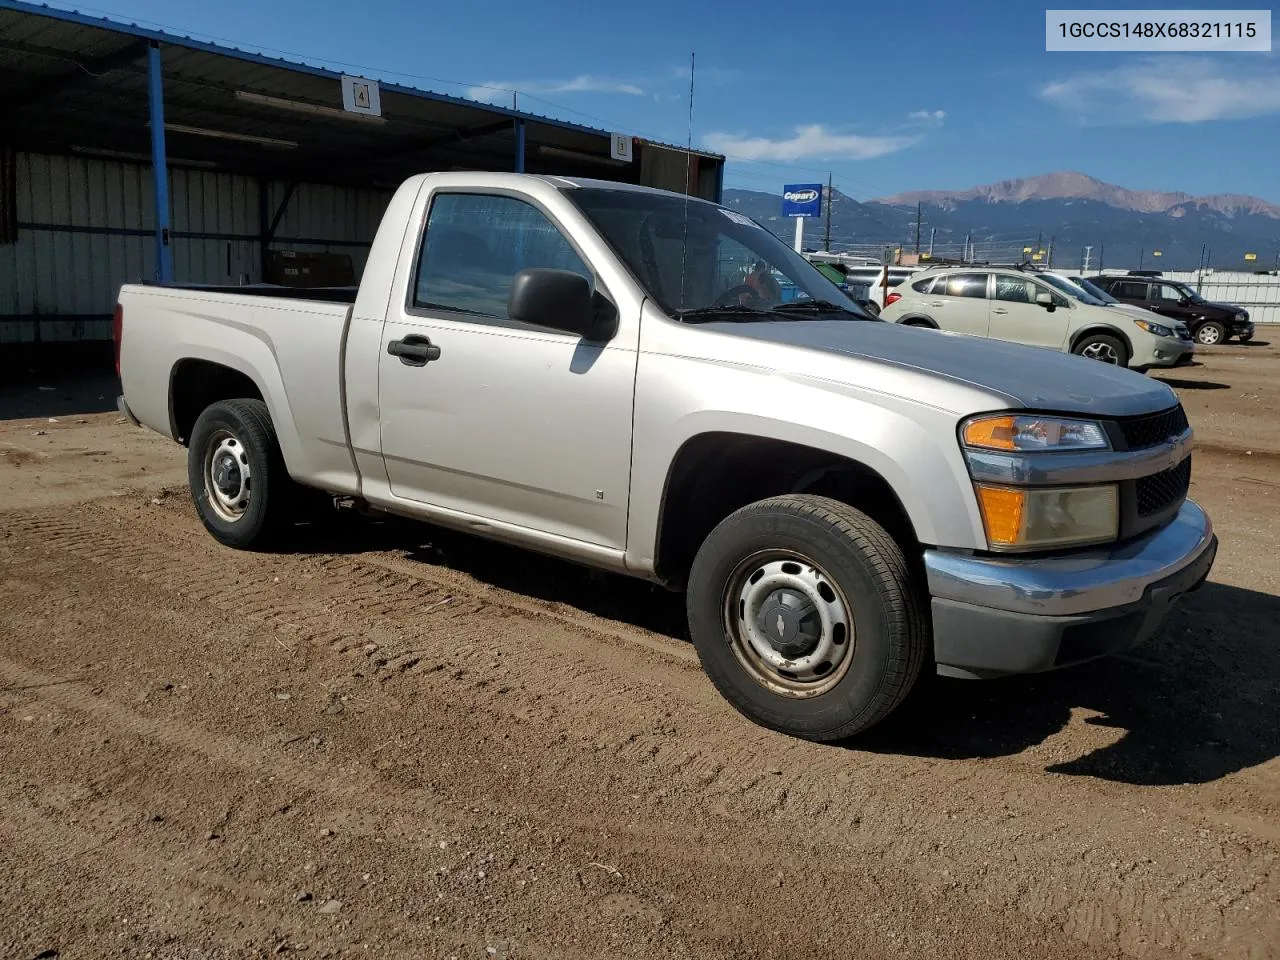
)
(1104, 352)
(1208, 335)
(227, 475)
(788, 623)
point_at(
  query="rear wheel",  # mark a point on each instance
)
(916, 322)
(237, 475)
(1211, 333)
(806, 617)
(1103, 347)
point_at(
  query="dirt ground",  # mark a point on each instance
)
(397, 743)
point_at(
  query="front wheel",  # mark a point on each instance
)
(1211, 333)
(237, 475)
(1105, 348)
(806, 616)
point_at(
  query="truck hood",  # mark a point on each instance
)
(1025, 377)
(1208, 307)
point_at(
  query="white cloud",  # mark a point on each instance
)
(499, 91)
(813, 141)
(928, 116)
(1168, 90)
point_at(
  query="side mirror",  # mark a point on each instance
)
(1183, 301)
(1045, 300)
(560, 300)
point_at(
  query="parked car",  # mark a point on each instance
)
(1023, 305)
(578, 367)
(1210, 323)
(1081, 289)
(879, 293)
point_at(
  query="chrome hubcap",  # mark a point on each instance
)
(1101, 351)
(1207, 335)
(789, 624)
(227, 476)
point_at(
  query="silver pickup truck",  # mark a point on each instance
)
(657, 386)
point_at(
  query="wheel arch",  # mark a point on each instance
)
(918, 320)
(1104, 328)
(717, 472)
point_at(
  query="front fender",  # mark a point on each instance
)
(912, 445)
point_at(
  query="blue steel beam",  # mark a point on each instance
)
(519, 146)
(159, 164)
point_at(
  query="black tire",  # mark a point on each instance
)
(919, 324)
(242, 429)
(1104, 348)
(1210, 333)
(870, 306)
(871, 576)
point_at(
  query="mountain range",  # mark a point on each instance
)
(1067, 210)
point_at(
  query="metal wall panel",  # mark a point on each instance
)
(86, 227)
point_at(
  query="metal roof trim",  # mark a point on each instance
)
(161, 36)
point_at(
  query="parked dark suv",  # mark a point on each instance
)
(1210, 323)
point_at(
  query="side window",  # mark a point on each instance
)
(961, 285)
(922, 286)
(1169, 292)
(1015, 289)
(476, 244)
(1129, 290)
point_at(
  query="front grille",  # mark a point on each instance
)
(1150, 431)
(1161, 490)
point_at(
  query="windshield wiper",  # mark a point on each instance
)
(811, 306)
(725, 311)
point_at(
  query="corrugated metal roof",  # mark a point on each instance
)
(96, 66)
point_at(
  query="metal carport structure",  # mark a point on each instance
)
(130, 153)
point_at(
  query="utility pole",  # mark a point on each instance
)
(826, 235)
(965, 255)
(918, 215)
(1049, 262)
(1102, 253)
(1142, 252)
(1039, 240)
(933, 232)
(1084, 266)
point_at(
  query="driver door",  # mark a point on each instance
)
(508, 422)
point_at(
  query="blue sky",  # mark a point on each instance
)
(888, 97)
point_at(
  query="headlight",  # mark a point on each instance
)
(1029, 433)
(1158, 329)
(1048, 517)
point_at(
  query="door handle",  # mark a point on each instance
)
(999, 310)
(414, 350)
(937, 303)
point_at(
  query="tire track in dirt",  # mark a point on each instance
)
(667, 725)
(670, 901)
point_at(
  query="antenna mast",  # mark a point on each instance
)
(688, 171)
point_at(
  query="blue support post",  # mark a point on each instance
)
(519, 145)
(159, 164)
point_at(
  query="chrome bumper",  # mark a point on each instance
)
(1078, 583)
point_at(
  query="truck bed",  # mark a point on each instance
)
(318, 294)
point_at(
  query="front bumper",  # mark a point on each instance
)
(1170, 352)
(1000, 615)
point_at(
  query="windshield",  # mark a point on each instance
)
(1072, 289)
(715, 260)
(1094, 290)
